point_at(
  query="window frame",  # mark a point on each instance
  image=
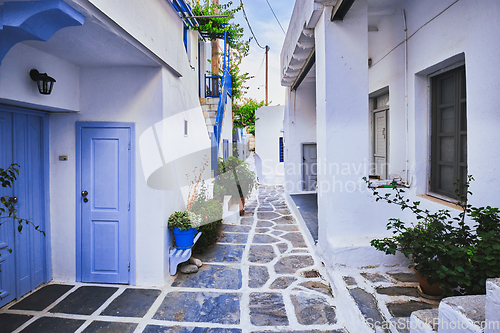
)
(455, 70)
(372, 112)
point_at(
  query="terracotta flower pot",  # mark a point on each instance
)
(432, 290)
(240, 202)
(242, 206)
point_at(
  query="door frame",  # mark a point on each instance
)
(44, 116)
(80, 125)
(302, 178)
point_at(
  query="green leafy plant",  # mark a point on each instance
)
(244, 114)
(214, 27)
(235, 177)
(210, 211)
(443, 247)
(8, 211)
(184, 220)
(7, 178)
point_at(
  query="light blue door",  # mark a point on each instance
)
(22, 142)
(104, 199)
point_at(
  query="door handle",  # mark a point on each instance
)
(85, 193)
(13, 199)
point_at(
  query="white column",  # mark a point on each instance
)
(342, 125)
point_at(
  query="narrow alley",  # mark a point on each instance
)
(261, 276)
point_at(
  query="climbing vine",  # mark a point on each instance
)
(214, 27)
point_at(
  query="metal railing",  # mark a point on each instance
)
(217, 86)
(226, 90)
(212, 85)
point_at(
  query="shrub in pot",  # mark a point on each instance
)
(210, 212)
(235, 178)
(184, 226)
(442, 247)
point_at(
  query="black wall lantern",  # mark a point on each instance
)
(43, 81)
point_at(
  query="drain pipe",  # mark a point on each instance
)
(407, 183)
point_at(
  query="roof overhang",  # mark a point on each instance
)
(340, 10)
(298, 48)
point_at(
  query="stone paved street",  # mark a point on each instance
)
(262, 276)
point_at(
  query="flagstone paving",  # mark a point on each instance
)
(262, 276)
(252, 280)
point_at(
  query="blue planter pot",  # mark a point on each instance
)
(184, 238)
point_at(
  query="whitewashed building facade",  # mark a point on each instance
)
(104, 156)
(401, 90)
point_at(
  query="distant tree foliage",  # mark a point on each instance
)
(244, 114)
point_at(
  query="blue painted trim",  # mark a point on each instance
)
(34, 20)
(78, 208)
(133, 266)
(183, 9)
(78, 132)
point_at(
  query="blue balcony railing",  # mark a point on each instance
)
(213, 85)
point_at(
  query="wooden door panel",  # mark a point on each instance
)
(105, 219)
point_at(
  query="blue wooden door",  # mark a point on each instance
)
(105, 204)
(7, 260)
(22, 138)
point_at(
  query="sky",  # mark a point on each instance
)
(268, 32)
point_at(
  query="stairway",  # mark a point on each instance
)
(467, 314)
(209, 107)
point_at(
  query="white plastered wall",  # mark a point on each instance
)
(267, 133)
(466, 30)
(137, 94)
(300, 127)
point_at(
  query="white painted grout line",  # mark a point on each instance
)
(245, 273)
(38, 314)
(151, 312)
(95, 314)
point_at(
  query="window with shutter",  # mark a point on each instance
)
(449, 133)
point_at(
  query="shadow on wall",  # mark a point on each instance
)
(258, 167)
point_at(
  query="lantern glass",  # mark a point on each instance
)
(44, 82)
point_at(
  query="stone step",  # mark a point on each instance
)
(209, 101)
(210, 130)
(230, 212)
(424, 321)
(492, 306)
(464, 314)
(210, 121)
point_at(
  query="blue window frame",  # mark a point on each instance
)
(282, 150)
(185, 37)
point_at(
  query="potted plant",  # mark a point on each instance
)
(184, 226)
(236, 179)
(210, 211)
(443, 248)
